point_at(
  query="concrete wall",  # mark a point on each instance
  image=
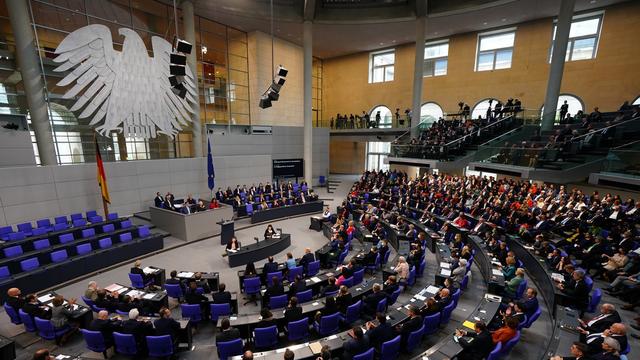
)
(288, 110)
(16, 148)
(286, 142)
(32, 193)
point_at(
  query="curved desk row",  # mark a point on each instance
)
(57, 273)
(259, 251)
(286, 211)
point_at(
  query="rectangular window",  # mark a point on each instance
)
(435, 59)
(583, 37)
(381, 66)
(495, 50)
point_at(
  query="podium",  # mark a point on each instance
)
(226, 231)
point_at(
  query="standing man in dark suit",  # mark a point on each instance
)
(479, 347)
(159, 200)
(381, 333)
(166, 325)
(414, 323)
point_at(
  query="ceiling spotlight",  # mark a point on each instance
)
(282, 71)
(265, 102)
(279, 80)
(273, 95)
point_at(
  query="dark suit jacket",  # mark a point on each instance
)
(480, 347)
(192, 297)
(596, 345)
(530, 306)
(306, 259)
(274, 290)
(269, 267)
(34, 310)
(264, 323)
(15, 302)
(343, 302)
(371, 302)
(292, 314)
(605, 356)
(328, 289)
(228, 335)
(380, 334)
(106, 327)
(167, 326)
(139, 271)
(139, 329)
(222, 297)
(604, 323)
(579, 293)
(159, 200)
(354, 347)
(412, 325)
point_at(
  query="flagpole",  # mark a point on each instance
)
(105, 206)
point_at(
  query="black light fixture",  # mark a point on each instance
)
(265, 102)
(282, 71)
(178, 59)
(273, 95)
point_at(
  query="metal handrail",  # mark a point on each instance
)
(593, 132)
(479, 130)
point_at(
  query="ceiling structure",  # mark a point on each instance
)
(342, 27)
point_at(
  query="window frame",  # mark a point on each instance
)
(435, 59)
(580, 17)
(372, 67)
(495, 51)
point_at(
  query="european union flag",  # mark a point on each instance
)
(211, 174)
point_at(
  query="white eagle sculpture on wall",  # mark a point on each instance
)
(127, 91)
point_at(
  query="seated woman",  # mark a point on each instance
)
(250, 270)
(507, 332)
(512, 285)
(268, 234)
(214, 204)
(60, 316)
(509, 271)
(200, 206)
(233, 245)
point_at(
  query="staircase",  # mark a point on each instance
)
(332, 185)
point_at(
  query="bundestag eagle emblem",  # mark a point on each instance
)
(126, 91)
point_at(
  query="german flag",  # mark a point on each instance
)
(102, 177)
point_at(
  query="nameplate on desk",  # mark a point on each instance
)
(445, 272)
(315, 279)
(432, 289)
(332, 337)
(149, 296)
(114, 287)
(445, 265)
(185, 274)
(496, 272)
(493, 298)
(45, 298)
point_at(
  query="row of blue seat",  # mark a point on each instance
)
(44, 226)
(33, 263)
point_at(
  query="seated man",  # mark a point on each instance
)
(330, 288)
(599, 323)
(276, 289)
(137, 269)
(270, 266)
(579, 351)
(34, 308)
(307, 258)
(481, 344)
(166, 325)
(371, 301)
(222, 296)
(381, 333)
(414, 323)
(140, 329)
(356, 345)
(15, 299)
(617, 331)
(228, 333)
(105, 326)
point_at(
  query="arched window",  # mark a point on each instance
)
(386, 116)
(575, 104)
(430, 112)
(480, 109)
(636, 101)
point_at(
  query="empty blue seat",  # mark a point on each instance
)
(278, 302)
(79, 222)
(353, 312)
(446, 313)
(358, 276)
(173, 290)
(160, 346)
(251, 287)
(5, 230)
(265, 338)
(48, 332)
(76, 216)
(126, 237)
(60, 226)
(13, 251)
(39, 231)
(125, 344)
(298, 330)
(367, 355)
(4, 272)
(108, 228)
(219, 310)
(249, 208)
(295, 272)
(96, 219)
(431, 323)
(86, 233)
(304, 296)
(328, 325)
(18, 235)
(91, 213)
(191, 312)
(138, 282)
(313, 268)
(61, 220)
(83, 249)
(105, 243)
(228, 349)
(94, 340)
(414, 339)
(269, 277)
(13, 314)
(390, 349)
(43, 223)
(58, 256)
(348, 282)
(29, 264)
(143, 231)
(25, 228)
(27, 321)
(125, 224)
(382, 306)
(66, 238)
(594, 300)
(112, 216)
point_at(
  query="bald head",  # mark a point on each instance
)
(103, 315)
(607, 308)
(13, 292)
(444, 292)
(618, 328)
(248, 355)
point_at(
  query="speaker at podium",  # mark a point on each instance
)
(226, 231)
